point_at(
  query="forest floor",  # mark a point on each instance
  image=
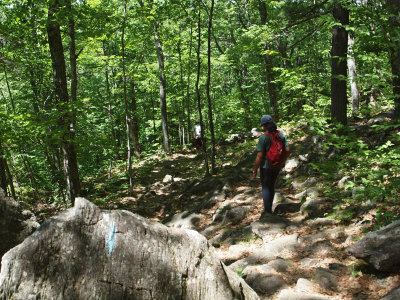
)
(226, 208)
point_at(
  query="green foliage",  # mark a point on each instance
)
(298, 50)
(239, 271)
(372, 164)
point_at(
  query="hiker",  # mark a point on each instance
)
(197, 136)
(272, 152)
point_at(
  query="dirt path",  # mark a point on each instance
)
(295, 253)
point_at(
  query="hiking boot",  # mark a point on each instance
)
(266, 214)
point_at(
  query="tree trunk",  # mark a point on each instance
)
(127, 115)
(351, 64)
(394, 7)
(3, 174)
(7, 81)
(210, 111)
(182, 114)
(202, 129)
(74, 91)
(189, 128)
(339, 65)
(241, 74)
(9, 176)
(163, 91)
(134, 127)
(272, 90)
(61, 93)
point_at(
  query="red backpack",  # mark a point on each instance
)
(276, 152)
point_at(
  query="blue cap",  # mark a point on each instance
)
(265, 119)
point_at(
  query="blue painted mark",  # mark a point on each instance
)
(111, 239)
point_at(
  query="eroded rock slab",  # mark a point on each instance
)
(15, 223)
(380, 248)
(87, 253)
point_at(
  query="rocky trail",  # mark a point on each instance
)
(299, 252)
(296, 252)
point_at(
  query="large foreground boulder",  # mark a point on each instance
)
(87, 253)
(380, 248)
(15, 223)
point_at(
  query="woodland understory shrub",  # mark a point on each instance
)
(370, 163)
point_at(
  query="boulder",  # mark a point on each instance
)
(393, 295)
(88, 253)
(184, 220)
(380, 248)
(315, 207)
(15, 223)
(291, 165)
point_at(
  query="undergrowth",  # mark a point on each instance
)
(368, 164)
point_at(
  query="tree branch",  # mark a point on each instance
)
(311, 10)
(307, 35)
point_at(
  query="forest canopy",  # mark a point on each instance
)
(88, 86)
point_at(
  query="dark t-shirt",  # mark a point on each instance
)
(264, 142)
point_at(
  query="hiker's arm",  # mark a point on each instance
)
(257, 164)
(287, 148)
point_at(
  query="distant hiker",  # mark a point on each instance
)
(272, 152)
(197, 136)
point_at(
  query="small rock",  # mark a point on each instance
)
(312, 193)
(342, 182)
(309, 182)
(301, 196)
(266, 284)
(304, 157)
(339, 269)
(314, 207)
(291, 228)
(279, 265)
(291, 295)
(287, 207)
(235, 215)
(326, 279)
(168, 179)
(296, 185)
(184, 220)
(306, 286)
(278, 198)
(322, 247)
(219, 238)
(250, 192)
(221, 211)
(217, 196)
(239, 197)
(291, 165)
(309, 262)
(250, 200)
(321, 222)
(210, 230)
(236, 252)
